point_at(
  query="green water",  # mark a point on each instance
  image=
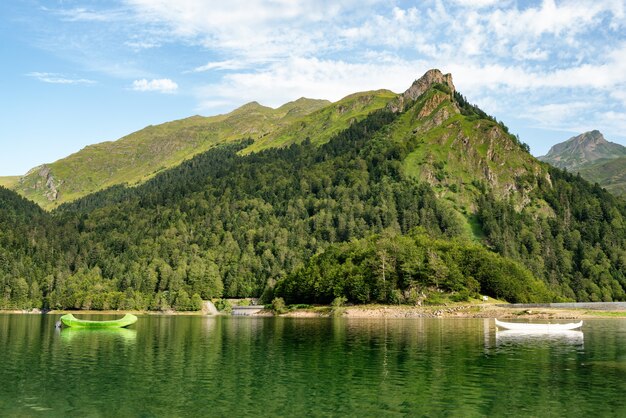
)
(168, 366)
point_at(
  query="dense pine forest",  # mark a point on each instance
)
(311, 223)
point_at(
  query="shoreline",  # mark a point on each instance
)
(385, 312)
(485, 311)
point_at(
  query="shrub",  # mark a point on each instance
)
(223, 305)
(395, 297)
(462, 296)
(338, 302)
(196, 302)
(434, 298)
(278, 306)
(336, 307)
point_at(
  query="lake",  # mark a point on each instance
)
(168, 366)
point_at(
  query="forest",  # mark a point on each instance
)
(309, 223)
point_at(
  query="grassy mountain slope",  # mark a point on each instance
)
(140, 155)
(9, 181)
(459, 150)
(321, 125)
(459, 154)
(610, 174)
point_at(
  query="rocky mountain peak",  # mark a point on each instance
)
(583, 149)
(431, 77)
(582, 144)
(590, 138)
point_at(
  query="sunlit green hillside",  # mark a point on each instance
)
(9, 181)
(138, 156)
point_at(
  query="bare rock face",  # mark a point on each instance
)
(50, 188)
(430, 106)
(426, 81)
(419, 87)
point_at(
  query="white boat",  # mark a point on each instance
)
(538, 328)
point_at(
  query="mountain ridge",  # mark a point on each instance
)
(138, 156)
(595, 158)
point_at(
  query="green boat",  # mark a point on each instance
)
(70, 320)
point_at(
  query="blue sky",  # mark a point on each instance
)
(77, 72)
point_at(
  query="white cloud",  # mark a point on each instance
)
(398, 29)
(619, 94)
(477, 3)
(162, 85)
(559, 115)
(309, 77)
(566, 18)
(509, 55)
(496, 76)
(193, 17)
(256, 28)
(55, 78)
(81, 14)
(142, 44)
(222, 65)
(523, 51)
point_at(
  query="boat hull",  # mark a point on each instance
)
(544, 328)
(70, 320)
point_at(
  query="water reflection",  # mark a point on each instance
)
(514, 337)
(98, 335)
(222, 366)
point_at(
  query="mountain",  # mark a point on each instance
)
(595, 158)
(583, 149)
(137, 157)
(421, 195)
(459, 150)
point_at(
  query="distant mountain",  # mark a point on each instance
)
(595, 158)
(585, 148)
